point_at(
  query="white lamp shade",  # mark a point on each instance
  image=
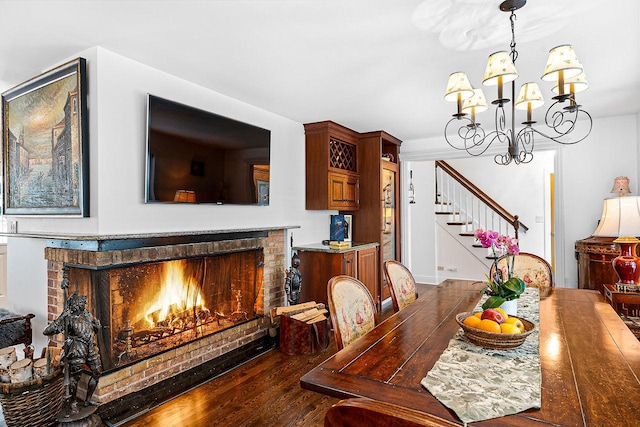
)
(477, 102)
(579, 83)
(458, 83)
(620, 217)
(561, 58)
(529, 94)
(499, 65)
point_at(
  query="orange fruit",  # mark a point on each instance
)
(489, 326)
(516, 322)
(508, 328)
(471, 321)
(504, 313)
(478, 314)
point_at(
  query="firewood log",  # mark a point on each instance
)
(290, 308)
(309, 314)
(21, 371)
(7, 357)
(40, 368)
(318, 318)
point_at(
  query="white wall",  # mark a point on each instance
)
(117, 89)
(584, 175)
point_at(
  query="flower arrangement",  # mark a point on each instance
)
(499, 288)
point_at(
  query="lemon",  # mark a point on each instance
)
(508, 328)
(504, 313)
(516, 322)
(471, 321)
(489, 326)
(478, 314)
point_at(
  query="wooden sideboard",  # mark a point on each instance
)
(594, 255)
(319, 263)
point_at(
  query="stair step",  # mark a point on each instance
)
(467, 234)
(447, 213)
(443, 203)
(477, 245)
(459, 223)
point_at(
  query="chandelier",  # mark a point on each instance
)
(561, 119)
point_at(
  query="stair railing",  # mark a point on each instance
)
(471, 206)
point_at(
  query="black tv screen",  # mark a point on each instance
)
(195, 156)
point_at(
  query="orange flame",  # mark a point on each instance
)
(177, 294)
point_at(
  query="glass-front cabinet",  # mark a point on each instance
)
(388, 214)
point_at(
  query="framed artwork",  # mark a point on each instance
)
(348, 228)
(45, 144)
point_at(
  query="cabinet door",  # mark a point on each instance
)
(349, 264)
(368, 271)
(389, 228)
(343, 191)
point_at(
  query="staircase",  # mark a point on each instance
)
(461, 208)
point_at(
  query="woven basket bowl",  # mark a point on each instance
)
(34, 403)
(494, 340)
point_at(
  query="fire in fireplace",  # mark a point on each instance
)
(148, 308)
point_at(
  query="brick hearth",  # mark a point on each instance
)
(143, 374)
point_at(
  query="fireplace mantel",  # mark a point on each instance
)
(110, 242)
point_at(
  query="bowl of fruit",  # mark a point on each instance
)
(493, 328)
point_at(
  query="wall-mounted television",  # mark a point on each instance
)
(195, 156)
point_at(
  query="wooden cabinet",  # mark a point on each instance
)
(594, 256)
(378, 219)
(319, 263)
(357, 173)
(332, 173)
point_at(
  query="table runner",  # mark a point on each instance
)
(479, 383)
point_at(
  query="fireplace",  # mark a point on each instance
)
(170, 304)
(148, 308)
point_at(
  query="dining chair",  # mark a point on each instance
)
(402, 285)
(361, 412)
(351, 308)
(535, 271)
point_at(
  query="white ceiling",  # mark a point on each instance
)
(366, 64)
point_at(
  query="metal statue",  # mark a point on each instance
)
(80, 350)
(293, 282)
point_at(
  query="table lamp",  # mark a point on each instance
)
(621, 219)
(621, 186)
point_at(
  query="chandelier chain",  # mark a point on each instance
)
(514, 52)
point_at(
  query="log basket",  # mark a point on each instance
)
(34, 403)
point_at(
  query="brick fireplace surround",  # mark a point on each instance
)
(104, 251)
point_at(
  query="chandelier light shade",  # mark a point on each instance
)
(458, 89)
(573, 85)
(500, 69)
(561, 64)
(476, 104)
(530, 97)
(561, 119)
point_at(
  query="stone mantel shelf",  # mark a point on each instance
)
(109, 242)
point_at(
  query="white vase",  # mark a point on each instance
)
(510, 307)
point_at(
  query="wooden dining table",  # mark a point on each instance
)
(590, 360)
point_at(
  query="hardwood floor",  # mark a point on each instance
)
(263, 392)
